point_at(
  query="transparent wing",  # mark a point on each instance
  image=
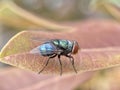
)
(38, 42)
(37, 51)
(40, 39)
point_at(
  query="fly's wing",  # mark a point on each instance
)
(41, 41)
(38, 42)
(36, 50)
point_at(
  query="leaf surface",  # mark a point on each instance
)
(99, 42)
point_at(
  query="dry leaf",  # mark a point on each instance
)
(104, 80)
(14, 79)
(99, 42)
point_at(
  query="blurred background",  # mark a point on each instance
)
(18, 15)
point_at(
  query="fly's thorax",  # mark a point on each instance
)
(63, 44)
(66, 45)
(55, 42)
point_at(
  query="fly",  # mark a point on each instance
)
(57, 48)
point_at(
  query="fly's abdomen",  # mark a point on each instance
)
(47, 49)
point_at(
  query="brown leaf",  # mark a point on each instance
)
(99, 42)
(108, 79)
(68, 82)
(14, 79)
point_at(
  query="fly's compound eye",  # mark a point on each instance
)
(75, 47)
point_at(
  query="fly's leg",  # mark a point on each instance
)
(60, 64)
(72, 61)
(47, 63)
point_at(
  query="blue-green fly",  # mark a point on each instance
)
(57, 47)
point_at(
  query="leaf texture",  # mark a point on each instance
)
(99, 42)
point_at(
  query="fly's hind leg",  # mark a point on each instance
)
(47, 63)
(72, 61)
